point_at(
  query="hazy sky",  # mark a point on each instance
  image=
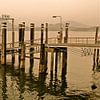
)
(41, 11)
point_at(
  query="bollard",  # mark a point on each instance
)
(31, 49)
(3, 49)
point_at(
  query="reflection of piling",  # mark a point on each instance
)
(3, 49)
(31, 49)
(13, 55)
(97, 60)
(42, 68)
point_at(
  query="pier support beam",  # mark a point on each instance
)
(3, 49)
(31, 49)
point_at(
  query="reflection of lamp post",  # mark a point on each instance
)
(61, 28)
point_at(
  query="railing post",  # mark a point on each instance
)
(3, 49)
(32, 43)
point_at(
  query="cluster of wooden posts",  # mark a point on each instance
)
(43, 49)
(96, 58)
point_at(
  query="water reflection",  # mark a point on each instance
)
(28, 87)
(4, 83)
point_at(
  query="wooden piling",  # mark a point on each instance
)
(64, 63)
(20, 38)
(56, 63)
(42, 68)
(13, 35)
(95, 50)
(31, 49)
(46, 42)
(3, 49)
(52, 65)
(64, 55)
(22, 63)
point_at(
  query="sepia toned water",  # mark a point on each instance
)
(20, 85)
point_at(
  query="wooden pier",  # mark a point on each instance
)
(43, 46)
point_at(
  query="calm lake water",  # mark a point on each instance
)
(20, 85)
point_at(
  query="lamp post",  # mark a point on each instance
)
(61, 28)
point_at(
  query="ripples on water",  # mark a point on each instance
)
(17, 85)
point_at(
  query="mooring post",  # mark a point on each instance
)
(13, 35)
(20, 38)
(46, 42)
(52, 65)
(94, 56)
(32, 43)
(3, 49)
(22, 63)
(42, 68)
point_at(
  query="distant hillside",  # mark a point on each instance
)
(73, 26)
